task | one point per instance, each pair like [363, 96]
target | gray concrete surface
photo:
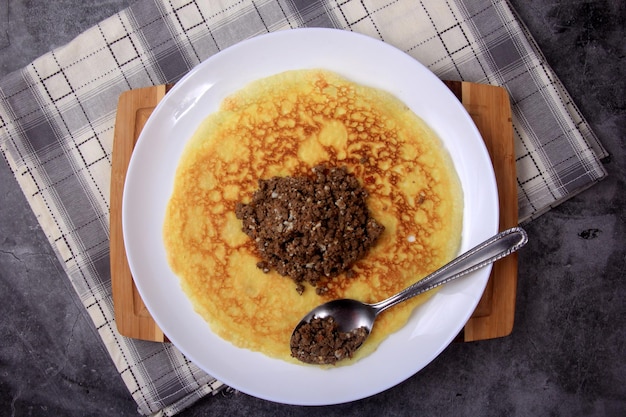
[566, 356]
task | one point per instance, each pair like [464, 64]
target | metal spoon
[352, 314]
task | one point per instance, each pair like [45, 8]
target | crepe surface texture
[284, 125]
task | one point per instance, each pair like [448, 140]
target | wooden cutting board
[488, 106]
[131, 315]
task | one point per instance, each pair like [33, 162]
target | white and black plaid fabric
[57, 119]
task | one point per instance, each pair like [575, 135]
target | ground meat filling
[319, 342]
[310, 228]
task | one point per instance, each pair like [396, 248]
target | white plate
[149, 183]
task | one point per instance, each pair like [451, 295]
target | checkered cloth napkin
[57, 117]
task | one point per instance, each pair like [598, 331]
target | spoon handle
[494, 248]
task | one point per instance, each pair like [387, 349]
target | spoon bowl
[349, 315]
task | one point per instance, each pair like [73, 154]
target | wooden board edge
[503, 279]
[129, 318]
